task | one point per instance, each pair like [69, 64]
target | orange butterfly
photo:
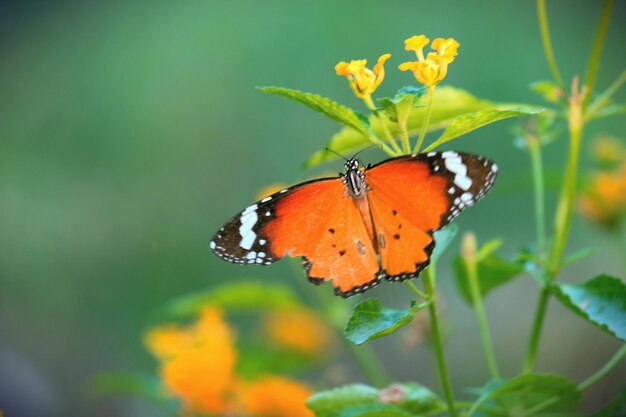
[367, 224]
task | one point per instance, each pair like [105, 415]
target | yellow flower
[269, 190]
[608, 150]
[197, 362]
[603, 201]
[363, 80]
[297, 330]
[274, 396]
[431, 70]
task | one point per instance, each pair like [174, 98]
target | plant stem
[604, 98]
[444, 379]
[547, 44]
[563, 217]
[540, 313]
[369, 364]
[429, 111]
[404, 134]
[604, 370]
[416, 290]
[536, 161]
[596, 51]
[481, 317]
[383, 124]
[363, 355]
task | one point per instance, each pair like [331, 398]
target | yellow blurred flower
[269, 190]
[197, 362]
[603, 200]
[297, 330]
[363, 80]
[274, 396]
[608, 150]
[431, 70]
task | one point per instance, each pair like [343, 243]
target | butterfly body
[367, 224]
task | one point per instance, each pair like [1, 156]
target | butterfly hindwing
[411, 197]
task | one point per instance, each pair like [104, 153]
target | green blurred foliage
[130, 131]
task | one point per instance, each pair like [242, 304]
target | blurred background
[130, 131]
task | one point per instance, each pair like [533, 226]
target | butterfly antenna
[363, 150]
[336, 153]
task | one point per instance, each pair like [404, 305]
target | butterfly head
[352, 164]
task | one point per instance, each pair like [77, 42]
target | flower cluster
[432, 69]
[198, 368]
[297, 330]
[429, 70]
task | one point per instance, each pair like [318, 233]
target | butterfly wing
[316, 220]
[410, 197]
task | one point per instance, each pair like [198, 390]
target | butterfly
[368, 224]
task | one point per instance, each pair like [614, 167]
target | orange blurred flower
[274, 396]
[298, 330]
[603, 200]
[197, 362]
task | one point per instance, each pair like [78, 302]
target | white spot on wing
[266, 199]
[251, 255]
[248, 240]
[455, 165]
[212, 245]
[465, 197]
[262, 242]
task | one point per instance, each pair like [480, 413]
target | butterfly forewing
[411, 197]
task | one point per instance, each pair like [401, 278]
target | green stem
[383, 124]
[369, 364]
[536, 161]
[364, 356]
[547, 44]
[429, 111]
[535, 334]
[481, 317]
[416, 290]
[444, 379]
[604, 370]
[596, 51]
[404, 134]
[563, 218]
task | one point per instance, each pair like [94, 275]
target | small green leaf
[400, 106]
[329, 403]
[241, 295]
[465, 123]
[370, 320]
[443, 239]
[493, 271]
[550, 91]
[326, 106]
[531, 390]
[373, 410]
[418, 399]
[488, 248]
[601, 301]
[580, 254]
[606, 111]
[615, 407]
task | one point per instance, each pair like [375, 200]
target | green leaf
[538, 391]
[550, 91]
[580, 254]
[241, 295]
[398, 400]
[326, 106]
[370, 320]
[448, 103]
[328, 403]
[443, 239]
[471, 121]
[399, 107]
[606, 111]
[601, 301]
[615, 407]
[493, 271]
